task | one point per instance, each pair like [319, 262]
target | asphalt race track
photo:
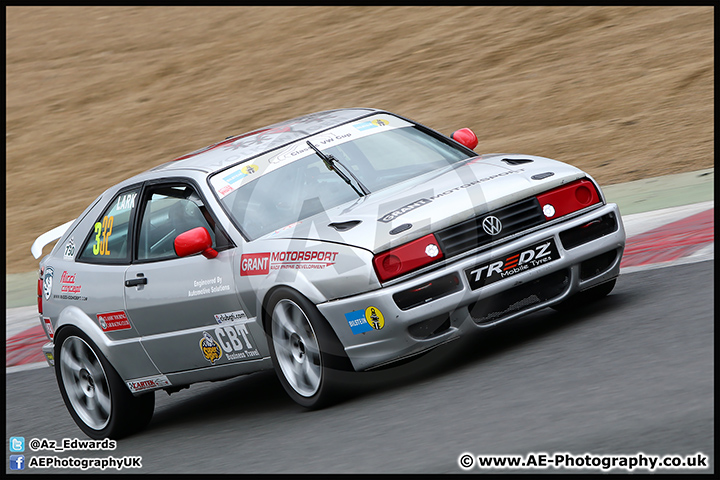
[632, 373]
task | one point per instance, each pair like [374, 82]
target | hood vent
[401, 228]
[516, 161]
[345, 226]
[540, 176]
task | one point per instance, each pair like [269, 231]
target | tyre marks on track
[25, 348]
[670, 242]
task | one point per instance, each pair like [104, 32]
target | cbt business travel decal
[361, 321]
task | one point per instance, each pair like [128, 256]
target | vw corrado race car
[340, 240]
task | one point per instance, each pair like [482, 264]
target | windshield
[286, 186]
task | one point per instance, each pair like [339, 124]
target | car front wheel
[306, 354]
[98, 400]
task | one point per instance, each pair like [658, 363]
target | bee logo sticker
[210, 349]
[249, 169]
[375, 318]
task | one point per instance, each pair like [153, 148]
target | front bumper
[582, 264]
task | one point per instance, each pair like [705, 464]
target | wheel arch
[125, 412]
[116, 352]
[73, 316]
[302, 287]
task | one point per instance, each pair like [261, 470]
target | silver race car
[341, 240]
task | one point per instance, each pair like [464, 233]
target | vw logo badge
[491, 225]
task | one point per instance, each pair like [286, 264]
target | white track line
[638, 223]
[27, 366]
[19, 319]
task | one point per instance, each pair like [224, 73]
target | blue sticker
[364, 126]
[235, 176]
[367, 125]
[358, 323]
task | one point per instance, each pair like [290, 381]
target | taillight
[568, 198]
[40, 292]
[406, 258]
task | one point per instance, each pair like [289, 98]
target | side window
[108, 240]
[168, 211]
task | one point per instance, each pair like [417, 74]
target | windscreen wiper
[330, 162]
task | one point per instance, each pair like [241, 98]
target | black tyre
[586, 297]
[98, 400]
[306, 353]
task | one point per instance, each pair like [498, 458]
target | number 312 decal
[103, 229]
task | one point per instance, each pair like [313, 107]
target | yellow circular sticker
[374, 317]
[249, 169]
[210, 348]
[380, 123]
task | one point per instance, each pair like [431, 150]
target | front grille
[469, 234]
[522, 297]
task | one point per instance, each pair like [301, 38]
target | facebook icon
[17, 462]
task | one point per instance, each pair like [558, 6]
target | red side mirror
[194, 241]
[465, 136]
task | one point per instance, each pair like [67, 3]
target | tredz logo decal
[512, 264]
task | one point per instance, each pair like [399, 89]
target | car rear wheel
[98, 400]
[306, 353]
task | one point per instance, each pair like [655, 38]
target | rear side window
[108, 240]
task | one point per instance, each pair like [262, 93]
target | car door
[92, 277]
[186, 308]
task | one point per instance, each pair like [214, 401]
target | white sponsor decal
[125, 202]
[208, 286]
[230, 317]
[237, 342]
[148, 383]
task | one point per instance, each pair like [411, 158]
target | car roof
[239, 148]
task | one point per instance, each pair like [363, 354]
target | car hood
[432, 201]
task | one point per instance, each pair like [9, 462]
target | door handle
[141, 280]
